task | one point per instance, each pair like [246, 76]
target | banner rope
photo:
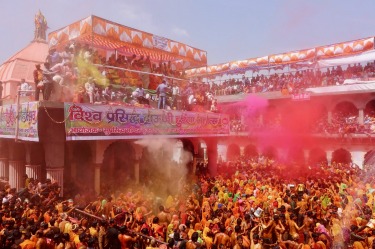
[52, 119]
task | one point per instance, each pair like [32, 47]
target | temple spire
[40, 27]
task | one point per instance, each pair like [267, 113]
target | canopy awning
[295, 59]
[107, 35]
[366, 56]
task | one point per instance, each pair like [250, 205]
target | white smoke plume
[166, 175]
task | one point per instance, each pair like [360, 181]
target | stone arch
[81, 170]
[317, 156]
[341, 156]
[270, 152]
[370, 108]
[233, 152]
[332, 105]
[296, 155]
[118, 164]
[250, 151]
[369, 158]
[346, 108]
[188, 145]
[188, 148]
[159, 172]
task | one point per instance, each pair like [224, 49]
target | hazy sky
[228, 30]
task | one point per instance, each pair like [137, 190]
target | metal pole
[17, 113]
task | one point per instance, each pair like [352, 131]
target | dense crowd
[340, 124]
[345, 125]
[80, 74]
[294, 82]
[259, 203]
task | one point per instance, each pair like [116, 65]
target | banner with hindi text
[27, 121]
[106, 122]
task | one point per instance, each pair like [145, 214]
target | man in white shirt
[25, 87]
[90, 89]
[139, 93]
[175, 96]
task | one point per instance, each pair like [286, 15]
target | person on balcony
[161, 92]
[47, 80]
[90, 89]
[140, 95]
[38, 77]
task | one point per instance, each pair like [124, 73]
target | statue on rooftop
[40, 26]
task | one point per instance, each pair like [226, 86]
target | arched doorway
[81, 170]
[341, 156]
[296, 155]
[233, 152]
[345, 108]
[270, 152]
[187, 152]
[164, 168]
[369, 115]
[344, 112]
[370, 108]
[251, 151]
[317, 156]
[118, 165]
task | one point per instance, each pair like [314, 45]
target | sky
[228, 30]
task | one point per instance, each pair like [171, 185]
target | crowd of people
[80, 74]
[294, 82]
[345, 125]
[258, 203]
[340, 124]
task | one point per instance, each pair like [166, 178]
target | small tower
[40, 27]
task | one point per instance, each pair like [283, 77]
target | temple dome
[21, 65]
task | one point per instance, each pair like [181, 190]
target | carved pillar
[34, 171]
[97, 149]
[212, 155]
[97, 168]
[329, 117]
[56, 175]
[138, 155]
[306, 156]
[73, 170]
[16, 174]
[55, 162]
[329, 156]
[361, 116]
[196, 145]
[4, 168]
[242, 150]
